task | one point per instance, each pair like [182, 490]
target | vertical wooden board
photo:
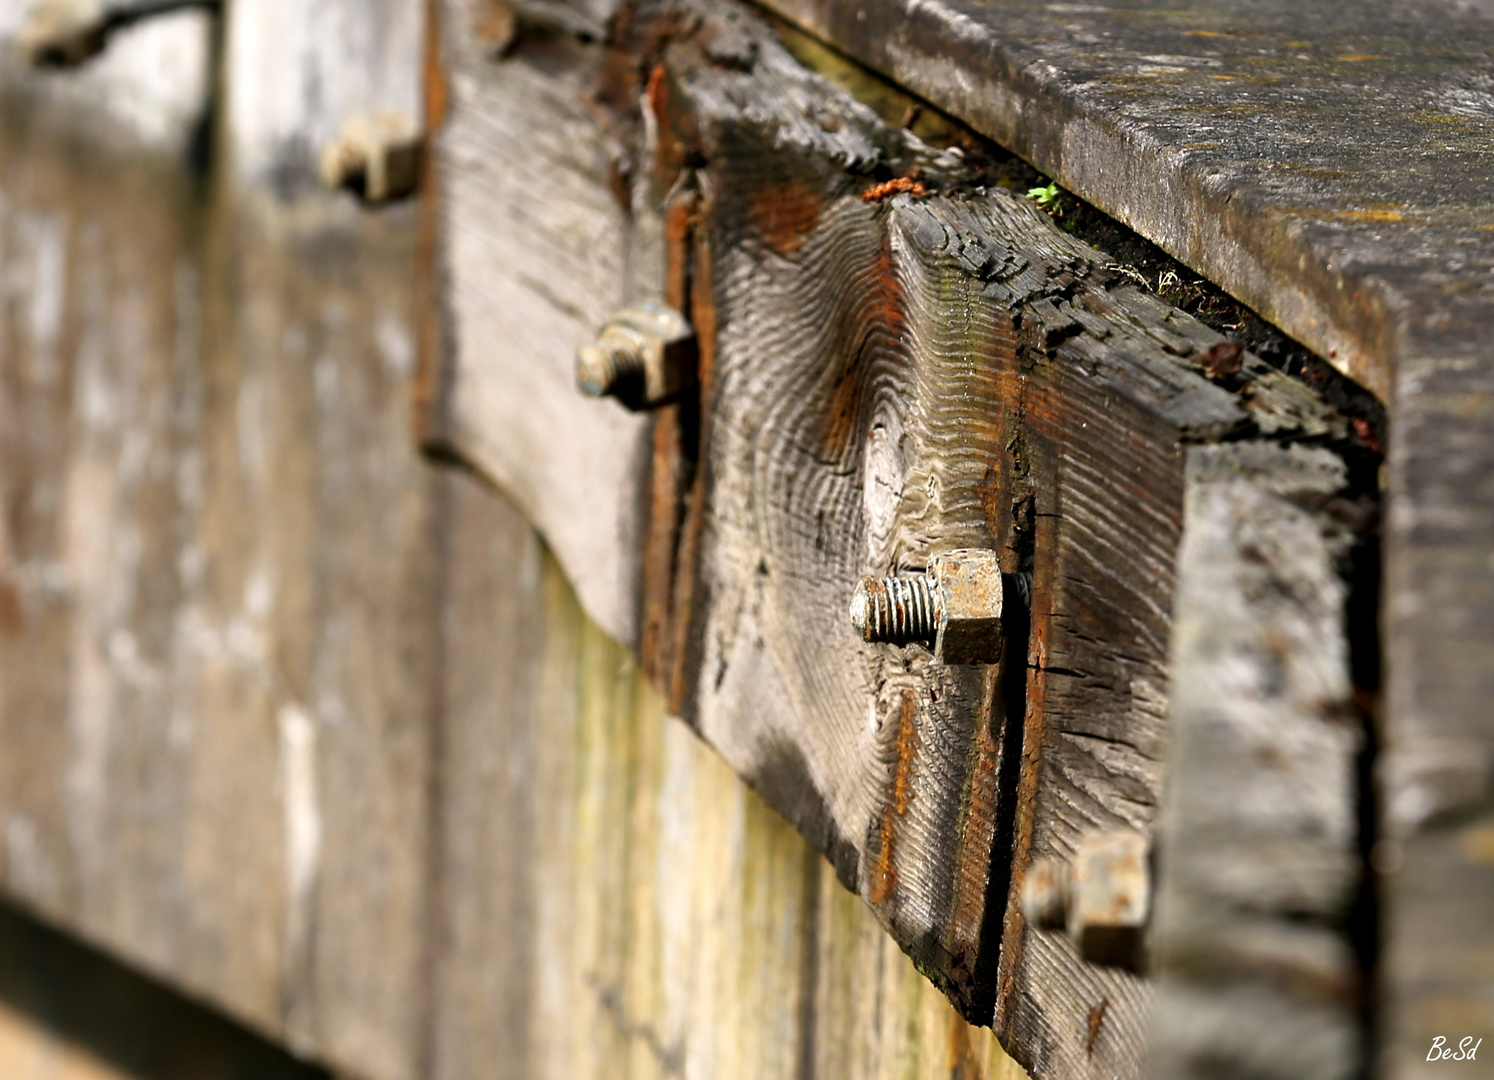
[102, 325]
[326, 516]
[614, 901]
[220, 551]
[325, 287]
[534, 255]
[1437, 768]
[1259, 845]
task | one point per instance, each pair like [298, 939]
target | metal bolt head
[1110, 898]
[644, 356]
[62, 33]
[377, 155]
[970, 602]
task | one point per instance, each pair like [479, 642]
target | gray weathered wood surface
[316, 731]
[534, 255]
[883, 378]
[1233, 135]
[1259, 844]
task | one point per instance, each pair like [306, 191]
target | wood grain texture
[1189, 125]
[1259, 841]
[616, 903]
[220, 605]
[896, 375]
[534, 256]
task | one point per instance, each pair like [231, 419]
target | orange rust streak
[884, 873]
[696, 250]
[679, 225]
[785, 215]
[897, 186]
[656, 92]
[972, 873]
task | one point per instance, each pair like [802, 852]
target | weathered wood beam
[1193, 126]
[534, 254]
[1260, 837]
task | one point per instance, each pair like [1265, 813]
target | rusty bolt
[1103, 899]
[643, 356]
[956, 607]
[376, 155]
[63, 33]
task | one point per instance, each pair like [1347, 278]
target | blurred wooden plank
[1259, 838]
[297, 73]
[223, 657]
[70, 1013]
[614, 900]
[534, 256]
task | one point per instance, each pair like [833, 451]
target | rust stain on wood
[972, 872]
[784, 215]
[1096, 1020]
[428, 412]
[879, 318]
[657, 94]
[686, 602]
[900, 795]
[900, 185]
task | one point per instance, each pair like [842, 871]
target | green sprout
[1044, 196]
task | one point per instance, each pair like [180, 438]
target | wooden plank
[297, 75]
[895, 375]
[533, 260]
[1188, 125]
[615, 900]
[70, 1013]
[222, 658]
[1259, 838]
[883, 378]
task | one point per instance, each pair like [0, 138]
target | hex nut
[970, 592]
[644, 356]
[377, 155]
[62, 33]
[1110, 898]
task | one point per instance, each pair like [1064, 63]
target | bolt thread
[896, 611]
[604, 364]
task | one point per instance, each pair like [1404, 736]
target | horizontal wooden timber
[897, 358]
[1329, 164]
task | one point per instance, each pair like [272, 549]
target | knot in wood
[896, 611]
